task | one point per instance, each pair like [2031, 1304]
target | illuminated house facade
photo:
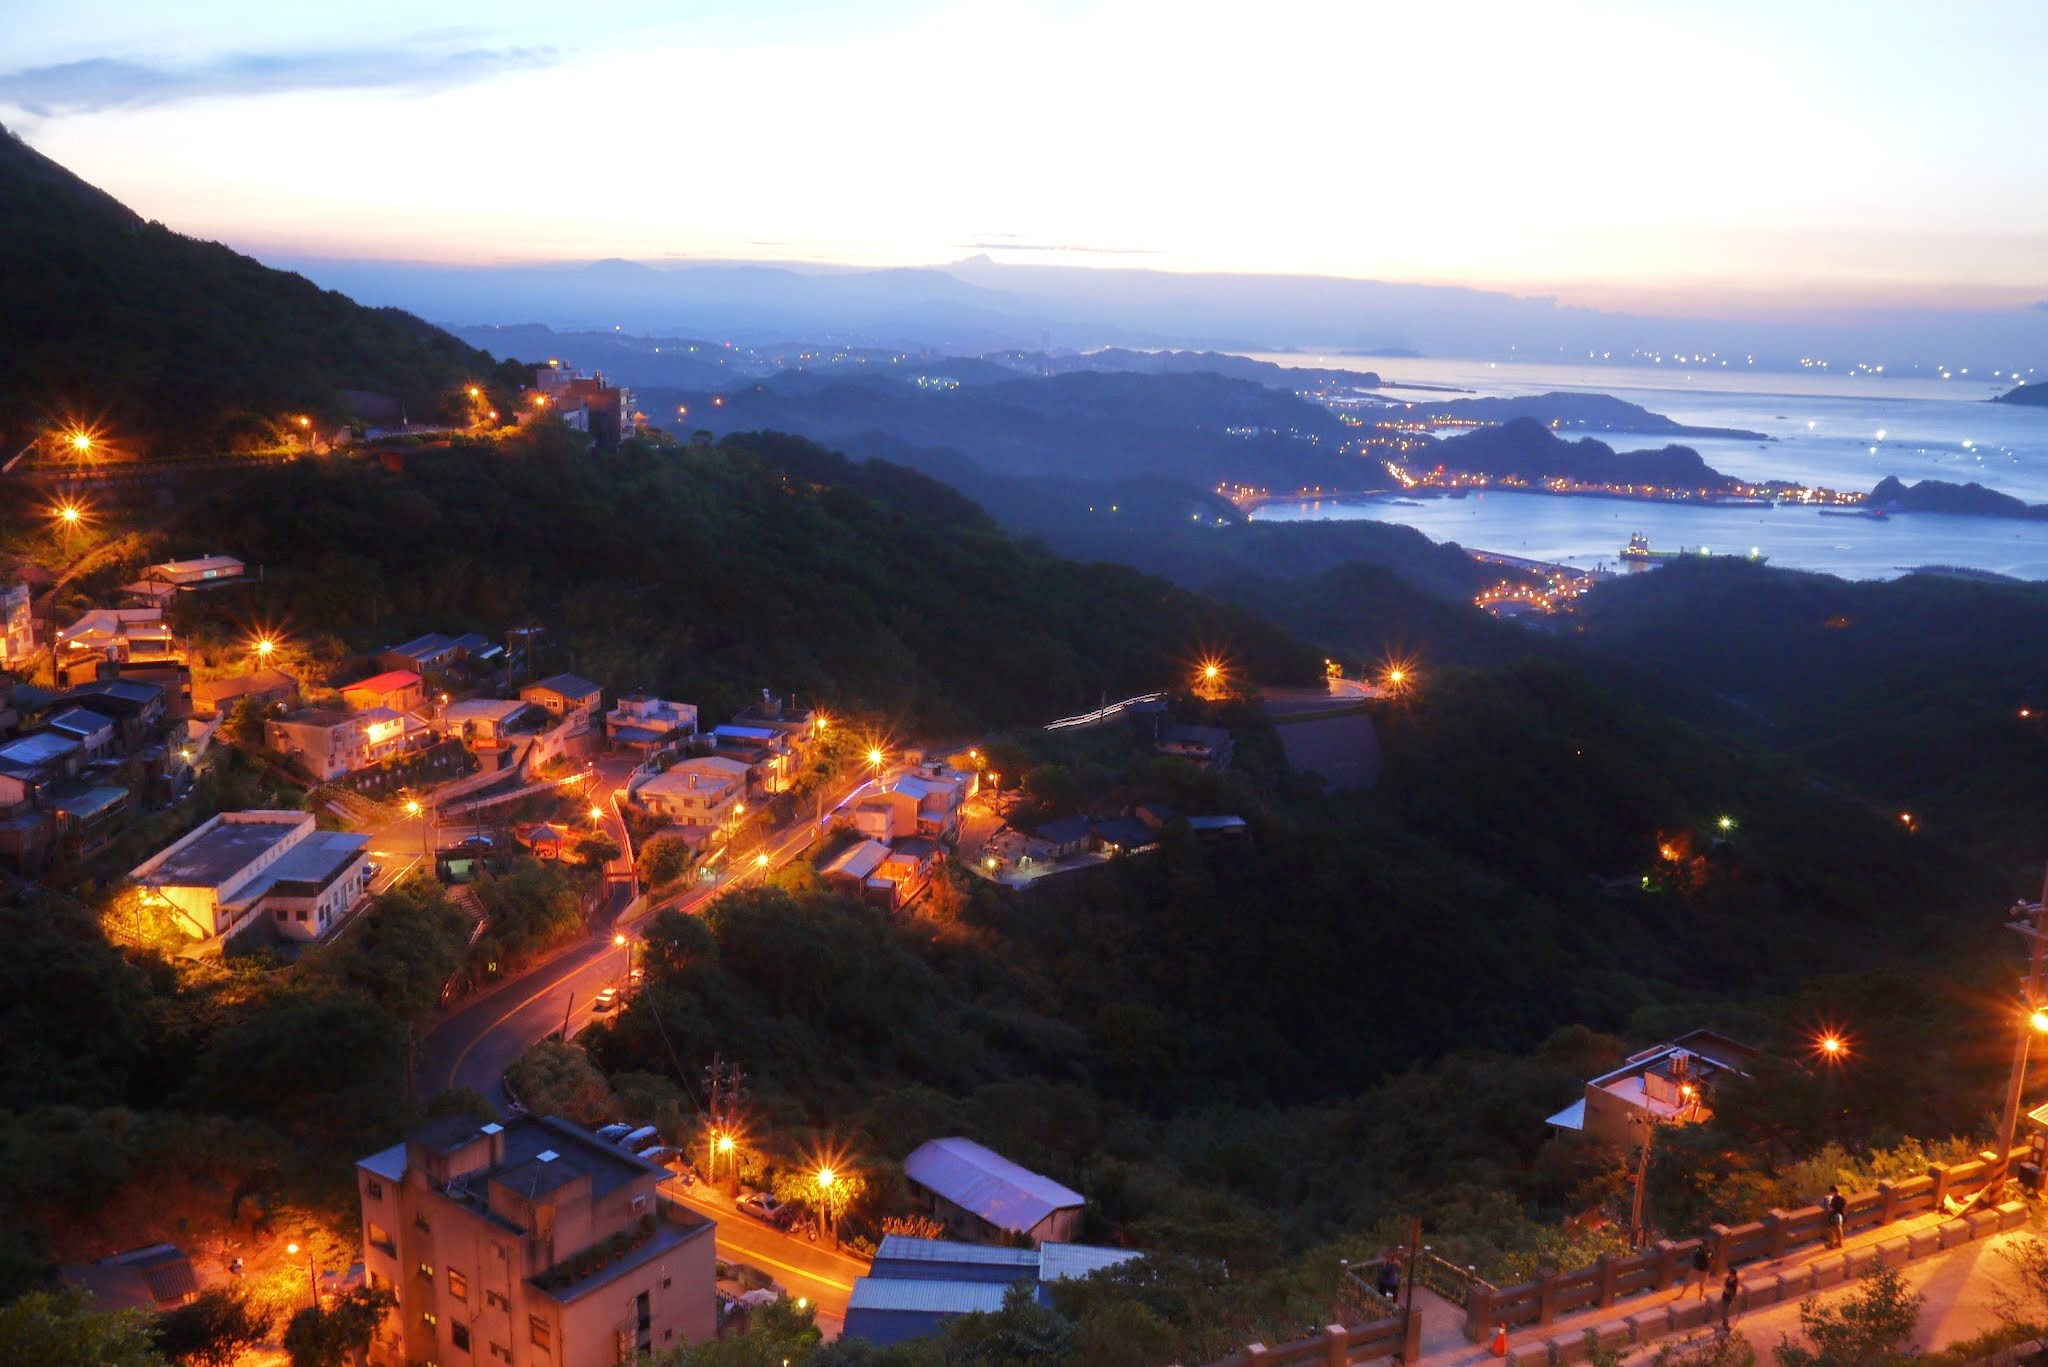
[331, 743]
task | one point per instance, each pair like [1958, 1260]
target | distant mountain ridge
[171, 342]
[1524, 448]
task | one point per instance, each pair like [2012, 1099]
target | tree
[339, 1337]
[663, 859]
[555, 1078]
[776, 1333]
[1021, 1334]
[597, 849]
[62, 1326]
[674, 941]
[1868, 1328]
[213, 1330]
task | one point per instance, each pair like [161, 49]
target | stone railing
[1666, 1263]
[1339, 1345]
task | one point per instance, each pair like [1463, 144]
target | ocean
[1834, 431]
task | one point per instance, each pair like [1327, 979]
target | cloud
[103, 83]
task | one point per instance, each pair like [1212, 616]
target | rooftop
[858, 861]
[482, 709]
[569, 685]
[203, 565]
[930, 1296]
[1065, 829]
[222, 848]
[32, 752]
[424, 647]
[78, 721]
[319, 716]
[315, 861]
[982, 1181]
[389, 681]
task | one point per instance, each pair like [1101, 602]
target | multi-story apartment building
[17, 628]
[331, 743]
[531, 1243]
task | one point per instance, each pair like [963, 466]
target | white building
[701, 791]
[241, 866]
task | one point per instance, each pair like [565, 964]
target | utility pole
[2030, 920]
[1635, 1217]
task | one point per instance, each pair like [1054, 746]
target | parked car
[765, 1208]
[606, 999]
[612, 1134]
[638, 1139]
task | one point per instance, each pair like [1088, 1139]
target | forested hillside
[170, 343]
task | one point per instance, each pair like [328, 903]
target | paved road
[800, 1267]
[473, 1045]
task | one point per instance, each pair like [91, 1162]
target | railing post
[1939, 1172]
[1478, 1311]
[1257, 1352]
[1775, 1232]
[1888, 1203]
[1606, 1270]
[1717, 1240]
[1411, 1335]
[1546, 1295]
[1667, 1263]
[1338, 1339]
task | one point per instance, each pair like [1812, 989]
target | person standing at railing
[1731, 1287]
[1837, 1207]
[1390, 1275]
[1702, 1264]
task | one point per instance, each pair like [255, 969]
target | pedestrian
[1702, 1263]
[1390, 1275]
[1731, 1287]
[1837, 1206]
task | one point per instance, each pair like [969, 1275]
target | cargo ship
[1638, 552]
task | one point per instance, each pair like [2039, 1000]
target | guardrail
[1612, 1278]
[1340, 1344]
[1100, 714]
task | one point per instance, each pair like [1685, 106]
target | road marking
[456, 1066]
[751, 1256]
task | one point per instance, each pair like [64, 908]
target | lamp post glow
[264, 645]
[312, 1278]
[413, 807]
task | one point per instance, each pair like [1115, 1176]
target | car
[479, 841]
[637, 974]
[765, 1208]
[613, 1133]
[373, 869]
[606, 999]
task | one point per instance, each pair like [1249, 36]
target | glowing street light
[1726, 823]
[69, 515]
[1832, 1047]
[475, 393]
[596, 813]
[264, 645]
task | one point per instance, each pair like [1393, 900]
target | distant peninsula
[1526, 449]
[2030, 395]
[1940, 496]
[1576, 412]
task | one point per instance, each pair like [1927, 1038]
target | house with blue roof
[916, 1285]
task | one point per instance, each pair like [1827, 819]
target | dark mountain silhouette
[170, 342]
[1525, 449]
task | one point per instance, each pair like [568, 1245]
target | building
[850, 869]
[908, 869]
[423, 655]
[242, 866]
[983, 1196]
[587, 404]
[129, 639]
[271, 687]
[331, 743]
[161, 583]
[940, 796]
[530, 1243]
[94, 733]
[1124, 835]
[915, 1285]
[17, 627]
[153, 1278]
[486, 723]
[1669, 1084]
[703, 790]
[886, 816]
[566, 696]
[1210, 747]
[1060, 838]
[400, 690]
[647, 724]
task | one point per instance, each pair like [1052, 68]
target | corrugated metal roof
[858, 861]
[1058, 1261]
[910, 1248]
[930, 1297]
[388, 1164]
[981, 1180]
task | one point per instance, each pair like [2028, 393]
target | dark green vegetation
[1583, 412]
[1923, 695]
[710, 573]
[171, 344]
[1524, 448]
[1942, 496]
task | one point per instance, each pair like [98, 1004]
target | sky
[1724, 159]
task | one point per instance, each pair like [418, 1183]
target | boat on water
[1869, 514]
[1639, 552]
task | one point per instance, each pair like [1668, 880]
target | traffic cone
[1500, 1341]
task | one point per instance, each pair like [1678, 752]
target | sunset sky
[1661, 157]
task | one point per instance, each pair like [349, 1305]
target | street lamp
[413, 807]
[264, 645]
[2035, 1022]
[826, 1177]
[312, 1278]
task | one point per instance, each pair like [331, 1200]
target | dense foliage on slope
[1925, 693]
[711, 573]
[1523, 448]
[169, 342]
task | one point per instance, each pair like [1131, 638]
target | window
[380, 1239]
[460, 1334]
[499, 1350]
[375, 1189]
[496, 1301]
[539, 1332]
[426, 1272]
[458, 1285]
[419, 1222]
[430, 1319]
